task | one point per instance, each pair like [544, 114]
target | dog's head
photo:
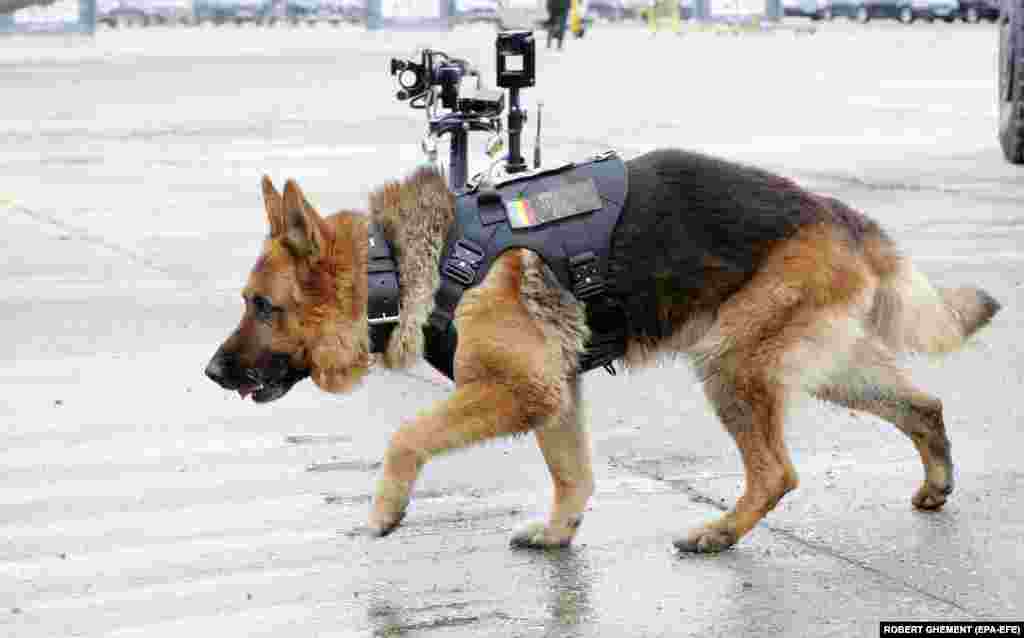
[305, 305]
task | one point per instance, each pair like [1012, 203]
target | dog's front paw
[540, 535]
[389, 504]
[932, 497]
[379, 527]
[706, 540]
[386, 515]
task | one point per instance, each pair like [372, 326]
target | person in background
[558, 18]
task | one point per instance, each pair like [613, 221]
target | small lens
[408, 78]
[514, 63]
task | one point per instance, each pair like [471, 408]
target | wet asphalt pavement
[137, 499]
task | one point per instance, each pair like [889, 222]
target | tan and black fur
[768, 289]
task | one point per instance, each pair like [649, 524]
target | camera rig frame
[435, 84]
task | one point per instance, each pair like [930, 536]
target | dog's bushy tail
[912, 315]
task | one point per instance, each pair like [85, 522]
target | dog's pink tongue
[245, 390]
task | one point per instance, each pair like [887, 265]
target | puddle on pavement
[316, 439]
[351, 466]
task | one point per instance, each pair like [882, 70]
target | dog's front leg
[475, 412]
[566, 447]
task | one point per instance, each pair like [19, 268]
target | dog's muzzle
[264, 383]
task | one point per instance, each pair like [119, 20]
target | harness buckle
[603, 349]
[462, 262]
[587, 281]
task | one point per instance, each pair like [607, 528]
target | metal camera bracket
[437, 83]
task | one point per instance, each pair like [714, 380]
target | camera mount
[436, 82]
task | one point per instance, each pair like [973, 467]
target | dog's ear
[302, 232]
[274, 206]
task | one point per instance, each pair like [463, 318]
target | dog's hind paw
[376, 529]
[367, 531]
[538, 535]
[706, 540]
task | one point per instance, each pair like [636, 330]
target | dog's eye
[263, 307]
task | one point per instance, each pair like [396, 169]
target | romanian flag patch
[576, 198]
[520, 214]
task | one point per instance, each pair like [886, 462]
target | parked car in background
[813, 9]
[237, 11]
[929, 10]
[116, 13]
[353, 11]
[846, 8]
[10, 6]
[476, 11]
[319, 11]
[106, 12]
[606, 10]
[296, 11]
[978, 10]
[885, 10]
[948, 10]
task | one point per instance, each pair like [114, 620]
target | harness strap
[590, 283]
[382, 289]
[462, 264]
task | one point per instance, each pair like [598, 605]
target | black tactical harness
[580, 205]
[573, 242]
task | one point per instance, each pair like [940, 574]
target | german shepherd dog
[769, 290]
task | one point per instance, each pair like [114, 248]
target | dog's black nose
[215, 370]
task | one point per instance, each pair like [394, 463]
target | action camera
[517, 59]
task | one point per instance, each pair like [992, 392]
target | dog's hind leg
[751, 407]
[874, 384]
[740, 360]
[566, 447]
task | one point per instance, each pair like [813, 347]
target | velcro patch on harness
[568, 199]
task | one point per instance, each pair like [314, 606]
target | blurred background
[45, 14]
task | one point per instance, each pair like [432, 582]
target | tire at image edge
[1011, 127]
